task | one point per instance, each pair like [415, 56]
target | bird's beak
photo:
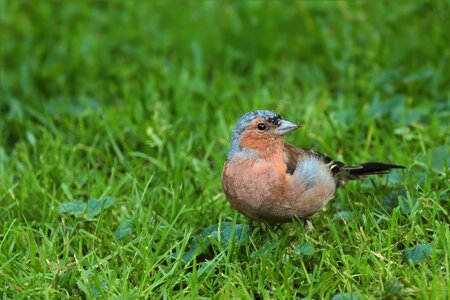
[285, 127]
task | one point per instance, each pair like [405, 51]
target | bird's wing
[293, 154]
[341, 173]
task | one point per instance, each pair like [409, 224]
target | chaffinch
[267, 179]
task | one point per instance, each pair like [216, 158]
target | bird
[268, 179]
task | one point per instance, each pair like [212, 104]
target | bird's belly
[262, 193]
[251, 189]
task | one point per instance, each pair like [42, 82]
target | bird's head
[257, 131]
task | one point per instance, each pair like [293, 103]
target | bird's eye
[262, 126]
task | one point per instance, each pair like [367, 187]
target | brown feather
[293, 153]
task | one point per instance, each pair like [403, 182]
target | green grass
[137, 101]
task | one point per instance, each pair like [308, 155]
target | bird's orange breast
[253, 185]
[259, 187]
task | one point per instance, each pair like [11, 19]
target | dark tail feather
[369, 168]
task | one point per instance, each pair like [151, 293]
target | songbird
[267, 179]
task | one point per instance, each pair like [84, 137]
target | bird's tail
[368, 168]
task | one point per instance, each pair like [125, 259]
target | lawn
[115, 120]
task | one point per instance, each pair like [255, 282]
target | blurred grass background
[136, 100]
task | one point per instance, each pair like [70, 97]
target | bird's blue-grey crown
[243, 122]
